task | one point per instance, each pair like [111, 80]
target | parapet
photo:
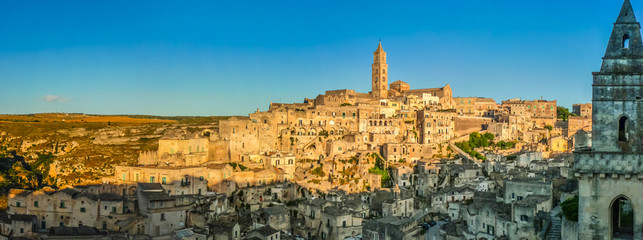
[590, 162]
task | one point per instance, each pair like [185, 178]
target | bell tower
[379, 77]
[610, 175]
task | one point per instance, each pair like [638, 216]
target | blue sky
[232, 57]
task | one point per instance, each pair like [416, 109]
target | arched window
[626, 41]
[622, 218]
[622, 129]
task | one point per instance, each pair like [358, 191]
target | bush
[319, 171]
[243, 168]
[570, 208]
[323, 133]
[505, 145]
[385, 178]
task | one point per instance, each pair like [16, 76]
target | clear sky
[232, 57]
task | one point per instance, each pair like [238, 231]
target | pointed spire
[627, 14]
[379, 47]
[625, 41]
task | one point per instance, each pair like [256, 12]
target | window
[17, 204]
[82, 209]
[22, 230]
[35, 203]
[113, 209]
[104, 225]
[152, 179]
[124, 177]
[343, 223]
[524, 218]
[164, 180]
[62, 204]
[162, 216]
[201, 178]
[622, 129]
[626, 41]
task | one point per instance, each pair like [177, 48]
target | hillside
[68, 149]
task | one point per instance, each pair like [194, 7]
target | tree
[563, 113]
[570, 208]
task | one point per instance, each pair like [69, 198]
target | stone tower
[610, 175]
[379, 79]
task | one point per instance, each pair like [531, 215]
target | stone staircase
[554, 229]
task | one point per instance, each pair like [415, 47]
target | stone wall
[466, 125]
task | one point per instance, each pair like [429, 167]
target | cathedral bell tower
[379, 78]
[610, 175]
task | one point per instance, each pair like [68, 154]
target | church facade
[610, 174]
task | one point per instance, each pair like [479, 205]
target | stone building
[517, 189]
[441, 199]
[178, 180]
[162, 213]
[401, 175]
[380, 75]
[539, 112]
[391, 227]
[475, 106]
[435, 127]
[177, 148]
[487, 219]
[339, 223]
[406, 152]
[398, 207]
[609, 174]
[574, 124]
[71, 208]
[582, 109]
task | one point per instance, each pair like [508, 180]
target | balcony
[185, 183]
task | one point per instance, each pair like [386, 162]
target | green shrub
[319, 171]
[570, 208]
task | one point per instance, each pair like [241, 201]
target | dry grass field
[70, 117]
